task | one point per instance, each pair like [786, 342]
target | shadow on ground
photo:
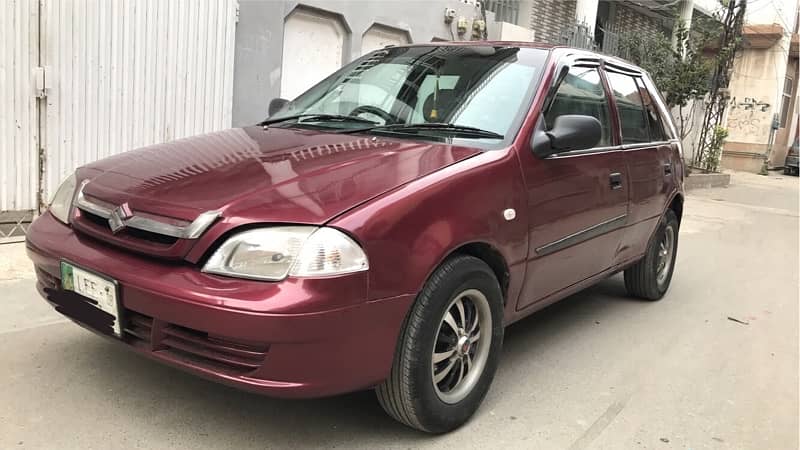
[140, 383]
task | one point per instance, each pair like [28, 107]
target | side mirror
[276, 104]
[569, 132]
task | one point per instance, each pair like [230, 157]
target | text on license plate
[101, 291]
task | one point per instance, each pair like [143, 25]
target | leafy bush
[679, 78]
[712, 154]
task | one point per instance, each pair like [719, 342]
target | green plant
[712, 155]
[682, 73]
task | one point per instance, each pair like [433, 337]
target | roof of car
[540, 45]
[473, 43]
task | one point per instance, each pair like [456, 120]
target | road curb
[706, 180]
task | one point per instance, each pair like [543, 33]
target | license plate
[99, 290]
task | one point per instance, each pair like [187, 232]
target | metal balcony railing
[578, 35]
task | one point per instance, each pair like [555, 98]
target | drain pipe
[772, 130]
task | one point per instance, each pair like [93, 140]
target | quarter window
[654, 121]
[632, 118]
[582, 93]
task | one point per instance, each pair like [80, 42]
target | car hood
[264, 175]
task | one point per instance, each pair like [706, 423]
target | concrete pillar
[586, 13]
[685, 10]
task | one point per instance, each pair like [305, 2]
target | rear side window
[653, 118]
[582, 93]
[633, 120]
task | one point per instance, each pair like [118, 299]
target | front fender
[409, 231]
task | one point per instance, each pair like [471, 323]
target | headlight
[277, 252]
[61, 204]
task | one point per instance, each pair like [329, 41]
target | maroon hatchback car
[380, 230]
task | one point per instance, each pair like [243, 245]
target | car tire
[412, 395]
[650, 277]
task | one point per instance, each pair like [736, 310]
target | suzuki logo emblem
[119, 215]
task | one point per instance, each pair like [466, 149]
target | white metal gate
[115, 75]
[19, 129]
[124, 74]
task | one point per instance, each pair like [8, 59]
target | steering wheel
[374, 110]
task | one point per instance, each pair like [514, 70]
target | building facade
[596, 24]
[763, 108]
[284, 47]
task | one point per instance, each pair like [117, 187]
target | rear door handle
[667, 168]
[615, 180]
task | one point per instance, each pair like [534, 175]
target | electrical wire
[779, 11]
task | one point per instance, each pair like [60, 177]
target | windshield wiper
[462, 130]
[303, 118]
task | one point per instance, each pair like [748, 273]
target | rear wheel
[448, 350]
[650, 277]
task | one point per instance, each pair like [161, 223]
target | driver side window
[582, 93]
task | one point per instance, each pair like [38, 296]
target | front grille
[193, 346]
[204, 349]
[138, 329]
[130, 232]
[48, 281]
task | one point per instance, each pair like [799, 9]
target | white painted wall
[19, 139]
[312, 49]
[377, 37]
[505, 31]
[772, 11]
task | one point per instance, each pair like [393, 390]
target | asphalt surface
[598, 370]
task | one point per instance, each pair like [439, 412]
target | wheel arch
[488, 254]
[676, 205]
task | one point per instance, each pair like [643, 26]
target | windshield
[402, 90]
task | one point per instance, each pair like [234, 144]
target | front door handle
[615, 180]
[667, 168]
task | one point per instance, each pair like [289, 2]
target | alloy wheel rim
[665, 254]
[462, 346]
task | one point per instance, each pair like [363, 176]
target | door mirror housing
[569, 132]
[276, 104]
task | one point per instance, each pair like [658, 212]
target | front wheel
[650, 277]
[448, 350]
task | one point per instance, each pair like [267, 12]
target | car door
[648, 155]
[577, 200]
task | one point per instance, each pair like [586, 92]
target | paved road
[598, 370]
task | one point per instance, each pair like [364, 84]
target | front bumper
[296, 338]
